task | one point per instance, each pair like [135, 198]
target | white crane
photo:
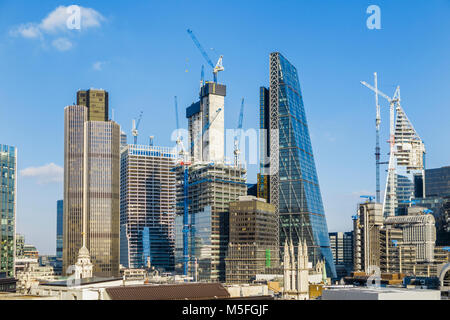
[392, 165]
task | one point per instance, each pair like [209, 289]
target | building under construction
[253, 244]
[211, 187]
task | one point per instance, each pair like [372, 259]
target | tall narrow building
[208, 145]
[147, 207]
[294, 186]
[8, 187]
[91, 183]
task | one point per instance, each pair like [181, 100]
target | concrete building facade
[147, 206]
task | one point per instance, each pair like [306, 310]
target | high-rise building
[436, 199]
[59, 228]
[342, 248]
[97, 103]
[263, 183]
[366, 231]
[294, 186]
[91, 185]
[8, 191]
[147, 206]
[208, 145]
[437, 182]
[211, 188]
[253, 240]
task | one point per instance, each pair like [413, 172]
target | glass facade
[59, 228]
[91, 183]
[8, 185]
[437, 182]
[295, 186]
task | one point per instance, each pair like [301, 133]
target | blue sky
[140, 52]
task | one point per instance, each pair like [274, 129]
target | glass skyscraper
[294, 186]
[8, 186]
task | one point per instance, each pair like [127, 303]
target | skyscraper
[8, 187]
[294, 186]
[91, 184]
[59, 228]
[147, 206]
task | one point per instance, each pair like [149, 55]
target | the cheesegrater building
[291, 176]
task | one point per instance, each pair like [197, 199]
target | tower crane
[216, 68]
[237, 139]
[135, 125]
[395, 100]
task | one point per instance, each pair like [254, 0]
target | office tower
[91, 186]
[59, 228]
[436, 199]
[147, 206]
[437, 182]
[406, 161]
[253, 240]
[97, 103]
[366, 231]
[209, 145]
[8, 186]
[211, 187]
[294, 186]
[342, 248]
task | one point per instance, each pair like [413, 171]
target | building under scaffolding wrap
[211, 187]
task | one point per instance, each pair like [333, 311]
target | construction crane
[237, 139]
[151, 138]
[369, 198]
[135, 126]
[391, 168]
[184, 162]
[216, 68]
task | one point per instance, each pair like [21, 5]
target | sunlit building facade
[8, 187]
[294, 186]
[147, 206]
[91, 181]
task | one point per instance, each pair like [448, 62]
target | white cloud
[56, 22]
[98, 66]
[62, 44]
[44, 174]
[27, 30]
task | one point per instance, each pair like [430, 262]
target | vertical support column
[274, 136]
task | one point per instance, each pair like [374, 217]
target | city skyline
[341, 122]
